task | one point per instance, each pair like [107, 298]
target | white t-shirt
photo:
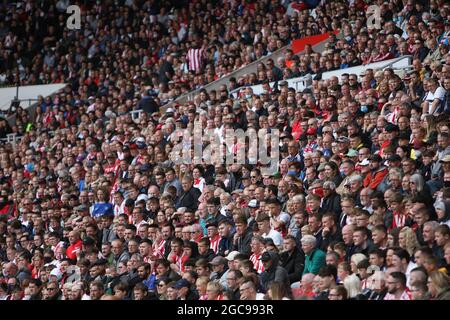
[439, 93]
[275, 236]
[260, 296]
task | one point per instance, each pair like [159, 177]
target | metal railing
[12, 138]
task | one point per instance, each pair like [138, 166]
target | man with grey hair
[347, 169]
[364, 199]
[428, 234]
[376, 284]
[303, 289]
[314, 257]
[298, 216]
[355, 185]
[225, 199]
[331, 201]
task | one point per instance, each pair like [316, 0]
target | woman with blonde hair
[214, 291]
[201, 285]
[355, 259]
[429, 123]
[439, 286]
[353, 286]
[407, 240]
[276, 292]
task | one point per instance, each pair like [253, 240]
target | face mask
[248, 96]
[342, 173]
[47, 259]
[364, 108]
[292, 172]
[446, 184]
[30, 167]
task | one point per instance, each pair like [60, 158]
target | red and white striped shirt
[257, 264]
[406, 295]
[160, 247]
[215, 243]
[195, 59]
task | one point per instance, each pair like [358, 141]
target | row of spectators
[92, 205]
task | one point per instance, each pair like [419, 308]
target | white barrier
[301, 83]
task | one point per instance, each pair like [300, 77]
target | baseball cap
[182, 283]
[375, 157]
[364, 163]
[232, 255]
[394, 157]
[218, 261]
[352, 153]
[445, 159]
[343, 139]
[253, 203]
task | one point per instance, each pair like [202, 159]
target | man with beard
[396, 285]
[376, 174]
[146, 276]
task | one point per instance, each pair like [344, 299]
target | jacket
[293, 263]
[373, 179]
[72, 250]
[314, 261]
[444, 295]
[225, 244]
[209, 255]
[329, 238]
[275, 273]
[189, 199]
[243, 242]
[332, 204]
[124, 256]
[108, 235]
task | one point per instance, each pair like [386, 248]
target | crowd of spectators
[93, 207]
[171, 46]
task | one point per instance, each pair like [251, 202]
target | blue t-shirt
[102, 209]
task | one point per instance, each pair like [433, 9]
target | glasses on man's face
[51, 288]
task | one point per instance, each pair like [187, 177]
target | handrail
[11, 138]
